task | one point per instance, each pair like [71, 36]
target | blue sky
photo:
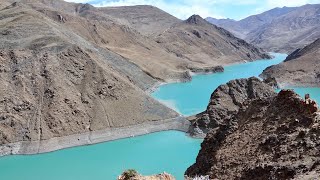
[234, 9]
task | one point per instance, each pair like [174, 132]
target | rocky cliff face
[272, 137]
[300, 68]
[226, 101]
[279, 30]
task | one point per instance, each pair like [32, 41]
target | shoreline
[156, 85]
[94, 137]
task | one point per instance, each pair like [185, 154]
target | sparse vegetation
[128, 174]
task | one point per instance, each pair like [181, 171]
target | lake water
[193, 97]
[169, 151]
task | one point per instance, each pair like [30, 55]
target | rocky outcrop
[273, 137]
[226, 101]
[300, 68]
[214, 69]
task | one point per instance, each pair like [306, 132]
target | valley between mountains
[72, 74]
[71, 68]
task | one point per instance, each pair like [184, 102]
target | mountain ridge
[279, 29]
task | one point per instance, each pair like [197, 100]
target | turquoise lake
[169, 151]
[192, 97]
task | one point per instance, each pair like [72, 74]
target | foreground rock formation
[300, 68]
[275, 136]
[226, 101]
[277, 30]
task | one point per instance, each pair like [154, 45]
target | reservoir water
[192, 97]
[169, 151]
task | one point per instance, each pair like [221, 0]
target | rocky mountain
[275, 136]
[280, 29]
[300, 68]
[225, 102]
[228, 24]
[56, 83]
[68, 69]
[126, 31]
[243, 27]
[203, 43]
[189, 45]
[148, 20]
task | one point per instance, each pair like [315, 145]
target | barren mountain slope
[289, 31]
[107, 31]
[55, 83]
[205, 44]
[302, 67]
[271, 137]
[148, 20]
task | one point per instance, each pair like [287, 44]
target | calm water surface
[169, 151]
[193, 97]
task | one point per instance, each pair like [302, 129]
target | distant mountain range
[281, 29]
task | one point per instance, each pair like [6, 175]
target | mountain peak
[196, 19]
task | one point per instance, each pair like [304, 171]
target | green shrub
[128, 174]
